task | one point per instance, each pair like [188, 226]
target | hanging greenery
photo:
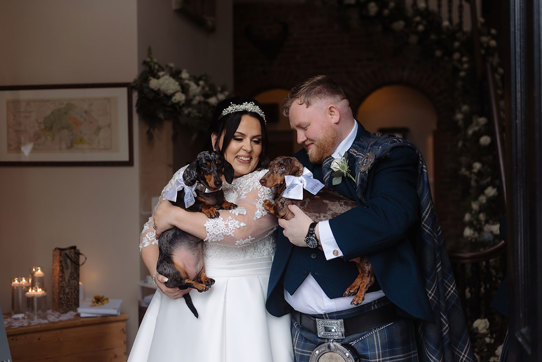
[477, 167]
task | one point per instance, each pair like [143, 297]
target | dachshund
[207, 171]
[205, 175]
[172, 244]
[325, 205]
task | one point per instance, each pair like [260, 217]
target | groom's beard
[323, 147]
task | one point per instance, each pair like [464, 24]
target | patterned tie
[327, 171]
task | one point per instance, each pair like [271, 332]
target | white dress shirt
[309, 298]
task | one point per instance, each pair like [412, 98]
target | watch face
[311, 241]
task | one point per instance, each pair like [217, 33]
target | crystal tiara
[246, 106]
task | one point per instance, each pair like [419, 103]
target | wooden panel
[80, 339]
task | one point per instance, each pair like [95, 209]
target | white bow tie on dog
[189, 192]
[296, 184]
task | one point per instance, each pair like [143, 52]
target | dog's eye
[282, 168]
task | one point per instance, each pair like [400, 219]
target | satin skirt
[233, 324]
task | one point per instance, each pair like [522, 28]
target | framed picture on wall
[66, 125]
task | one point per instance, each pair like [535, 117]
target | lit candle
[34, 294]
[17, 292]
[38, 277]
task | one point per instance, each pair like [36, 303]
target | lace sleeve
[249, 221]
[148, 235]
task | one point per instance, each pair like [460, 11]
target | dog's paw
[209, 282]
[228, 205]
[211, 213]
[269, 206]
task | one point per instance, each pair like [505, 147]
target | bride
[233, 324]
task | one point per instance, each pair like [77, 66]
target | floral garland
[169, 93]
[446, 43]
[443, 42]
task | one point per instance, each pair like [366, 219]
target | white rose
[154, 84]
[481, 325]
[482, 199]
[482, 216]
[212, 100]
[476, 166]
[492, 228]
[168, 85]
[467, 217]
[490, 191]
[492, 43]
[184, 74]
[178, 98]
[475, 205]
[398, 25]
[458, 116]
[468, 232]
[372, 8]
[485, 140]
[193, 89]
[482, 121]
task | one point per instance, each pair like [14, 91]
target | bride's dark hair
[227, 124]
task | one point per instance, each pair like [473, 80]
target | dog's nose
[263, 182]
[218, 182]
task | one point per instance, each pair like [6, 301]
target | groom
[412, 311]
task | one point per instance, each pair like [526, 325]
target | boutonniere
[340, 169]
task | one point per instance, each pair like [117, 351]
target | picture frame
[66, 125]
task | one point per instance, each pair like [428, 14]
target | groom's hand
[297, 227]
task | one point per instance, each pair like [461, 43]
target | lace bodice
[247, 231]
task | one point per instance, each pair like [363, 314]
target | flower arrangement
[169, 93]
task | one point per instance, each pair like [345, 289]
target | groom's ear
[333, 113]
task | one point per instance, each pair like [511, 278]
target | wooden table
[78, 339]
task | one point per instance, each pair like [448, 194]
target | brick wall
[278, 45]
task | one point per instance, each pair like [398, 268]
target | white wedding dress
[233, 324]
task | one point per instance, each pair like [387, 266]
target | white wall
[94, 208]
[99, 209]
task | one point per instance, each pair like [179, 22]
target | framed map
[66, 125]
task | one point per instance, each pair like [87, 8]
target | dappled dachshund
[174, 245]
[206, 173]
[325, 205]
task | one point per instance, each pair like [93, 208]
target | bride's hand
[173, 293]
[162, 217]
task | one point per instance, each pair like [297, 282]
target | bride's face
[244, 150]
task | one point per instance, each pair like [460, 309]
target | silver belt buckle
[330, 328]
[332, 352]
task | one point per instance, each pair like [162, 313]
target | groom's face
[314, 129]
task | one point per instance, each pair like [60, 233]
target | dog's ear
[228, 172]
[296, 167]
[190, 175]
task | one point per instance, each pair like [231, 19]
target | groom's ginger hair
[317, 87]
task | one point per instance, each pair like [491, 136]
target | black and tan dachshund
[208, 171]
[174, 244]
[325, 205]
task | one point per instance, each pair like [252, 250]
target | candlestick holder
[38, 278]
[19, 286]
[35, 303]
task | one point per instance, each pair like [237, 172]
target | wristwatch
[310, 238]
